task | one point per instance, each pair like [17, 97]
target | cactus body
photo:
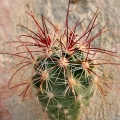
[65, 90]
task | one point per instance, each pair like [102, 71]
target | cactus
[64, 66]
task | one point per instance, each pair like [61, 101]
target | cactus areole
[63, 65]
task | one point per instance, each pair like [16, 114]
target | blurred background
[12, 12]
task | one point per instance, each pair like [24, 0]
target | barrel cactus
[64, 65]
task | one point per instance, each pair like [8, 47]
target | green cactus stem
[63, 85]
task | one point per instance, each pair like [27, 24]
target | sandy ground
[12, 12]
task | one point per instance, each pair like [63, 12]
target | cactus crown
[63, 66]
